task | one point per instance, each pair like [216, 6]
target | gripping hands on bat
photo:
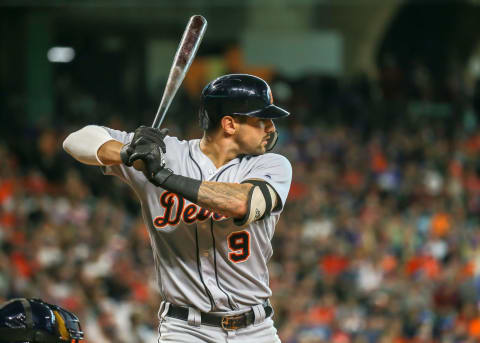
[184, 56]
[147, 146]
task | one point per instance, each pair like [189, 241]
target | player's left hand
[144, 134]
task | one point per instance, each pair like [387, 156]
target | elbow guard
[260, 203]
[84, 143]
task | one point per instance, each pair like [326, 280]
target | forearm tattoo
[229, 199]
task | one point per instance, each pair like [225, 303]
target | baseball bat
[181, 63]
[191, 39]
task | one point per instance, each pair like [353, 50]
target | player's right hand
[152, 156]
[143, 135]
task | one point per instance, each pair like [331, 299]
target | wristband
[184, 186]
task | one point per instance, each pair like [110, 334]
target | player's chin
[258, 150]
[261, 149]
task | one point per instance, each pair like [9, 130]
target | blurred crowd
[379, 240]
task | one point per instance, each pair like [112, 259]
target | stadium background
[380, 239]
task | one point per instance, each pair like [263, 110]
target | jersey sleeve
[276, 170]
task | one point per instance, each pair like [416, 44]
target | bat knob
[139, 165]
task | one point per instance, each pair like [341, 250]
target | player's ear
[229, 124]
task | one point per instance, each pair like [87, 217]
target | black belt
[232, 322]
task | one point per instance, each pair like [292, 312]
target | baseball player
[210, 205]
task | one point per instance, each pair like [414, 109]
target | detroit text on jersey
[188, 214]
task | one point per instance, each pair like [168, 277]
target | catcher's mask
[35, 321]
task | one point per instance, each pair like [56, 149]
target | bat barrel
[186, 51]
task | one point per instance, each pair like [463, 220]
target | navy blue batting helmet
[237, 94]
[34, 321]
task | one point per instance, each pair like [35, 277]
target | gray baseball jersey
[203, 259]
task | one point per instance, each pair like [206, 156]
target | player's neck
[218, 149]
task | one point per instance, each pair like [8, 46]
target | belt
[232, 322]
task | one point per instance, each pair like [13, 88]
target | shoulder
[273, 165]
[270, 159]
[122, 136]
[276, 157]
[174, 141]
[178, 149]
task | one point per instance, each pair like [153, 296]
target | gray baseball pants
[191, 331]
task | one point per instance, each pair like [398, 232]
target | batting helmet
[237, 94]
[34, 321]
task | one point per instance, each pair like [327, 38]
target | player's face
[253, 135]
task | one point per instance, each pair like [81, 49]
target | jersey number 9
[239, 243]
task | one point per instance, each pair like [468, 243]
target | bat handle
[162, 110]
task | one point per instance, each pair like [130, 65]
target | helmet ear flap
[203, 118]
[272, 140]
